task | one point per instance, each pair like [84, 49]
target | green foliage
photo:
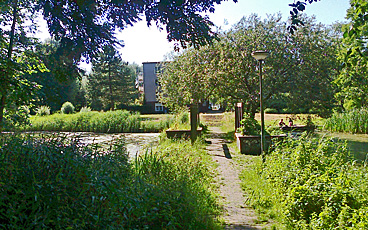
[64, 80]
[43, 110]
[271, 110]
[112, 81]
[313, 183]
[58, 183]
[180, 177]
[67, 108]
[353, 81]
[16, 118]
[301, 67]
[354, 121]
[181, 120]
[101, 122]
[249, 126]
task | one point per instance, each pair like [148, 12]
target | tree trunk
[9, 56]
[112, 103]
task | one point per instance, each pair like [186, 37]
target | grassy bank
[309, 184]
[55, 183]
[119, 121]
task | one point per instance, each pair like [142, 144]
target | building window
[159, 107]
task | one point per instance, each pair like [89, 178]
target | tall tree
[300, 66]
[353, 80]
[62, 81]
[83, 27]
[17, 57]
[112, 81]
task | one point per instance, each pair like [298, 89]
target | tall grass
[51, 182]
[355, 121]
[310, 184]
[101, 122]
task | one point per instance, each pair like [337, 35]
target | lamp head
[260, 55]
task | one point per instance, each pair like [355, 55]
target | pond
[134, 142]
[357, 143]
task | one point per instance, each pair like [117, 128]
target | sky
[143, 44]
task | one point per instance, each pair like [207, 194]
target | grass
[58, 183]
[119, 121]
[355, 121]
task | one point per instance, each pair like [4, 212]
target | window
[159, 107]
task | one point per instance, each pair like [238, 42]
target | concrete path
[237, 214]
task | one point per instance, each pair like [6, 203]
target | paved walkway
[237, 214]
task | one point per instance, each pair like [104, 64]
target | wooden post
[238, 114]
[193, 122]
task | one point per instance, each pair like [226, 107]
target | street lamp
[261, 56]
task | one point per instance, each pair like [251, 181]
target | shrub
[85, 109]
[16, 118]
[249, 126]
[271, 110]
[67, 108]
[43, 110]
[315, 185]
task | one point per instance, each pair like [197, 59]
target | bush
[271, 110]
[67, 108]
[249, 126]
[17, 118]
[314, 184]
[43, 110]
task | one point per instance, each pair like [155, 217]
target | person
[282, 123]
[291, 122]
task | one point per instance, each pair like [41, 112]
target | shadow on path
[226, 151]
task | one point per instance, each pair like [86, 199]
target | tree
[353, 80]
[62, 81]
[17, 56]
[300, 66]
[82, 28]
[112, 81]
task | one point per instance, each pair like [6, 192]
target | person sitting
[282, 123]
[291, 122]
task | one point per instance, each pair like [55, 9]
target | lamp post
[260, 56]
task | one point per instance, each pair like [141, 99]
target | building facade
[150, 84]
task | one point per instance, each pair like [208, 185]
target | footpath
[236, 214]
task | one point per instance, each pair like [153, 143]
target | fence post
[193, 122]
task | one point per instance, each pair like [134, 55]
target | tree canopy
[112, 81]
[300, 66]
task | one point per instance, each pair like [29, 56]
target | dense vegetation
[354, 121]
[310, 184]
[119, 121]
[61, 184]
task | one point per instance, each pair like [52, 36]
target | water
[357, 143]
[135, 143]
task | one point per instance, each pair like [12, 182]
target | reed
[355, 121]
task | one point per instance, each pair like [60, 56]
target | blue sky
[144, 44]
